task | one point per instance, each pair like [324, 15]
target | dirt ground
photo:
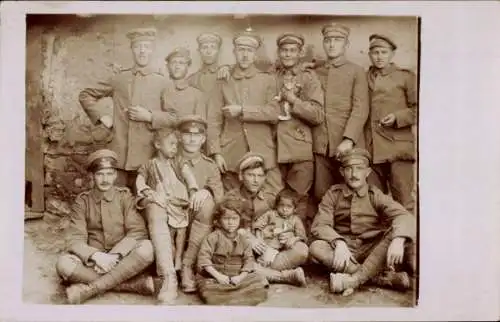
[43, 242]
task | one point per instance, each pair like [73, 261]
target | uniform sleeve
[311, 109]
[206, 252]
[200, 105]
[299, 230]
[248, 259]
[402, 221]
[142, 179]
[214, 183]
[167, 116]
[77, 236]
[407, 117]
[215, 119]
[135, 227]
[360, 107]
[324, 221]
[269, 112]
[89, 97]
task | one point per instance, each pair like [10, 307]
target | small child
[164, 181]
[226, 264]
[280, 228]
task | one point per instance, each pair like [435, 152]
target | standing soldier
[137, 111]
[301, 99]
[178, 95]
[393, 95]
[242, 115]
[346, 108]
[209, 45]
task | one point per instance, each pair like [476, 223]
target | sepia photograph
[222, 160]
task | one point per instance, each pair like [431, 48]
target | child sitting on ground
[226, 264]
[167, 183]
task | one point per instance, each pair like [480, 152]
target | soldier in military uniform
[137, 110]
[346, 108]
[193, 136]
[282, 266]
[179, 95]
[301, 98]
[242, 114]
[393, 100]
[209, 45]
[359, 230]
[108, 242]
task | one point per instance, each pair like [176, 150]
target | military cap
[335, 30]
[247, 38]
[192, 124]
[355, 154]
[179, 52]
[142, 34]
[290, 38]
[209, 37]
[101, 159]
[379, 40]
[249, 158]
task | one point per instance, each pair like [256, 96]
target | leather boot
[399, 281]
[130, 266]
[140, 284]
[198, 232]
[292, 276]
[159, 232]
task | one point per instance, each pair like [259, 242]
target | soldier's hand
[342, 256]
[395, 252]
[198, 199]
[107, 121]
[235, 280]
[223, 279]
[389, 120]
[289, 96]
[308, 65]
[260, 247]
[232, 111]
[105, 262]
[343, 147]
[139, 114]
[221, 163]
[223, 72]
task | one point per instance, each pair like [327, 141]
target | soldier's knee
[145, 250]
[66, 265]
[301, 249]
[205, 215]
[317, 248]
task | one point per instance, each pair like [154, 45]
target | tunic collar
[360, 193]
[209, 68]
[144, 71]
[384, 71]
[248, 195]
[337, 61]
[250, 72]
[181, 84]
[281, 70]
[106, 195]
[193, 158]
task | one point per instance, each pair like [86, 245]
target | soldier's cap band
[209, 37]
[192, 127]
[290, 39]
[355, 154]
[247, 40]
[179, 52]
[335, 30]
[247, 161]
[142, 34]
[381, 41]
[102, 163]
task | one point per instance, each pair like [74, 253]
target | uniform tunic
[184, 99]
[131, 139]
[229, 256]
[106, 222]
[253, 130]
[358, 217]
[272, 224]
[392, 90]
[205, 78]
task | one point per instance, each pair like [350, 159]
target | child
[280, 228]
[225, 262]
[168, 184]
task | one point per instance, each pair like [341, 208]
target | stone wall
[78, 51]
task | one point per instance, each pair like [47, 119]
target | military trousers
[126, 178]
[326, 174]
[299, 177]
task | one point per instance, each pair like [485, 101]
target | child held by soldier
[226, 273]
[169, 184]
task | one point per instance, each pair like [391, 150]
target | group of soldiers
[314, 128]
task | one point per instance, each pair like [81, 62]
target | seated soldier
[108, 244]
[277, 266]
[359, 230]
